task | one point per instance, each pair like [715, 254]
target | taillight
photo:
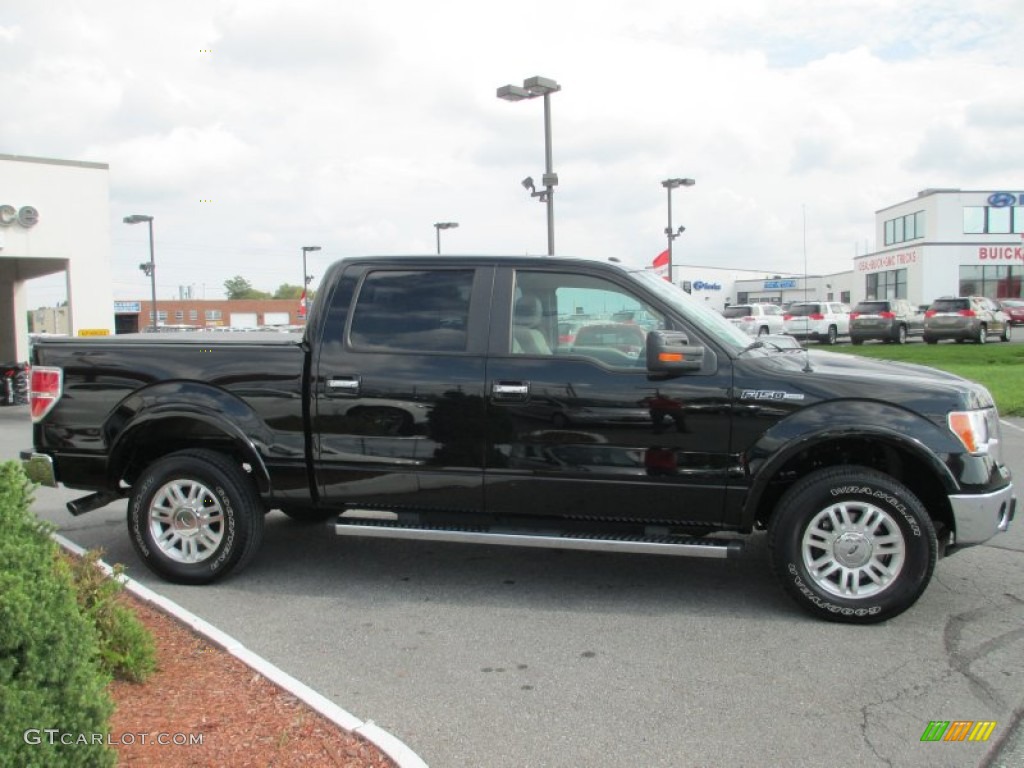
[748, 319]
[854, 315]
[930, 313]
[966, 313]
[816, 316]
[45, 388]
[787, 317]
[887, 315]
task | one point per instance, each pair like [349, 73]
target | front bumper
[980, 517]
[39, 468]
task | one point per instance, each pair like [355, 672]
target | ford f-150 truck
[434, 398]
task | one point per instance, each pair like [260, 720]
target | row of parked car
[960, 318]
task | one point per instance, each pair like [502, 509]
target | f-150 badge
[769, 394]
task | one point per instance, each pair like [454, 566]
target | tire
[856, 341]
[901, 335]
[833, 335]
[982, 336]
[173, 540]
[1007, 334]
[763, 330]
[930, 340]
[851, 544]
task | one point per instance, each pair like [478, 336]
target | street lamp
[306, 277]
[150, 267]
[443, 225]
[672, 234]
[532, 88]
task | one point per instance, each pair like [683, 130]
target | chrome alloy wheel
[853, 549]
[186, 521]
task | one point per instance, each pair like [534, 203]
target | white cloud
[358, 125]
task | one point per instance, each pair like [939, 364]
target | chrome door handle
[349, 385]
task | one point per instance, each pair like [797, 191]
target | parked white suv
[756, 319]
[823, 321]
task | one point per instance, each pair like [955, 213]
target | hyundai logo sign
[1004, 199]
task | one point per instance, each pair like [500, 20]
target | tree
[240, 288]
[288, 291]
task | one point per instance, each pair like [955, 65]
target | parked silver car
[892, 320]
[755, 319]
[965, 318]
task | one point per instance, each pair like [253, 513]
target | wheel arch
[905, 458]
[148, 426]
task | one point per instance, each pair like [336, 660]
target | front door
[580, 429]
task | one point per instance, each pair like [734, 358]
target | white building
[720, 287]
[945, 242]
[54, 217]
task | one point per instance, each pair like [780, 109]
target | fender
[883, 423]
[193, 401]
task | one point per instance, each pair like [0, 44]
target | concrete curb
[389, 744]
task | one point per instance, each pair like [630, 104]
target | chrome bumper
[39, 468]
[979, 518]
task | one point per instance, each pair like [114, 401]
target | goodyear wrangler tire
[851, 544]
[194, 517]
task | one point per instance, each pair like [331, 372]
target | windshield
[704, 317]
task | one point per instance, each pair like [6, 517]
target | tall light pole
[672, 234]
[305, 275]
[532, 88]
[150, 267]
[443, 225]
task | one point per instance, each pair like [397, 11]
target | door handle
[345, 385]
[510, 390]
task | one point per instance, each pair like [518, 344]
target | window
[612, 324]
[991, 220]
[886, 285]
[903, 228]
[213, 314]
[1002, 282]
[415, 310]
[179, 315]
[193, 314]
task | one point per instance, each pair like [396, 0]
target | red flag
[660, 264]
[302, 304]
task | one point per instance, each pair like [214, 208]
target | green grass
[999, 367]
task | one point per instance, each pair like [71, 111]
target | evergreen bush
[54, 706]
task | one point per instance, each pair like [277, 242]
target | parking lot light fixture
[532, 88]
[443, 225]
[150, 269]
[670, 233]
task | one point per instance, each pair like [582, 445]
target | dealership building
[55, 218]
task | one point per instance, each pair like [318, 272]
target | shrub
[49, 676]
[126, 647]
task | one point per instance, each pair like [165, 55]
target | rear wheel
[195, 516]
[901, 335]
[982, 336]
[930, 340]
[1007, 333]
[833, 335]
[851, 544]
[856, 341]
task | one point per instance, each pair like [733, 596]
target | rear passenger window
[416, 310]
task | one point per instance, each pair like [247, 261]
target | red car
[1015, 309]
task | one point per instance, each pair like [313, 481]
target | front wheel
[901, 335]
[1007, 333]
[851, 544]
[195, 516]
[982, 336]
[833, 335]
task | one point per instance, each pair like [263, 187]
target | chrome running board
[679, 546]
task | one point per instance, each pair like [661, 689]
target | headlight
[972, 427]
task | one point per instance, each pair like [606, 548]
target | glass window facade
[885, 285]
[904, 228]
[1002, 282]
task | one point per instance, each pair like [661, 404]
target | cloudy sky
[250, 128]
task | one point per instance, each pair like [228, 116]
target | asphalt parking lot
[477, 655]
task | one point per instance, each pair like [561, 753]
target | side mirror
[671, 352]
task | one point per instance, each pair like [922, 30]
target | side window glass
[567, 314]
[414, 310]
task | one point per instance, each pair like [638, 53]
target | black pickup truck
[543, 402]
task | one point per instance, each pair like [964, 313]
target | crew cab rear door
[397, 386]
[580, 428]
